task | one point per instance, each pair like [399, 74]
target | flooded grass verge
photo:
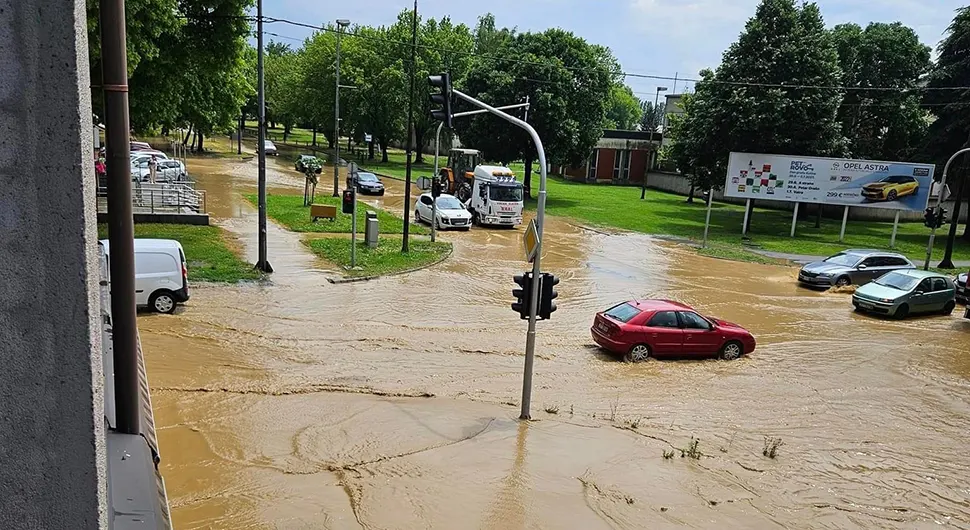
[288, 210]
[386, 259]
[211, 252]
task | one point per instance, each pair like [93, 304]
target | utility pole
[262, 263]
[242, 128]
[655, 122]
[939, 202]
[341, 24]
[407, 185]
[121, 229]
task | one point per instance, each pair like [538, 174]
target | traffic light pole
[437, 144]
[939, 202]
[530, 341]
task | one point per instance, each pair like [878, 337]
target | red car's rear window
[623, 312]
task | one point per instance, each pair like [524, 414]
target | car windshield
[623, 312]
[367, 177]
[449, 203]
[846, 260]
[898, 281]
[505, 193]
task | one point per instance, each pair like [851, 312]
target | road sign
[368, 138]
[530, 241]
[424, 183]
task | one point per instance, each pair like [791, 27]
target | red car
[639, 329]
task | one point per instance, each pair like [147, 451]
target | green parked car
[903, 292]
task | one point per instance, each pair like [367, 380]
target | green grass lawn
[209, 250]
[668, 214]
[289, 211]
[387, 258]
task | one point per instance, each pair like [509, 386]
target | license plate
[865, 305]
[602, 327]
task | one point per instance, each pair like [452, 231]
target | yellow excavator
[456, 177]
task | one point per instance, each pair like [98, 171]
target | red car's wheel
[731, 350]
[638, 353]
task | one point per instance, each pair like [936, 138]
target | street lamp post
[341, 24]
[656, 101]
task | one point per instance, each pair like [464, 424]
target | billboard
[863, 183]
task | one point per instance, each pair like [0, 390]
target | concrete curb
[344, 279]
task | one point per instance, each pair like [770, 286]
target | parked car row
[889, 283]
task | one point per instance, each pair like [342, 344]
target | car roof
[920, 274]
[145, 243]
[872, 252]
[659, 305]
[442, 196]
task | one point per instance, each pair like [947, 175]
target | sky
[667, 38]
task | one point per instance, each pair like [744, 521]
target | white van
[161, 276]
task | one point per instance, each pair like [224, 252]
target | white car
[451, 213]
[270, 148]
[168, 170]
[161, 275]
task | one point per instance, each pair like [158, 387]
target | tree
[380, 101]
[622, 108]
[488, 38]
[754, 101]
[285, 96]
[881, 124]
[318, 78]
[950, 131]
[651, 117]
[442, 47]
[568, 83]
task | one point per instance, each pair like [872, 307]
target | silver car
[852, 267]
[963, 292]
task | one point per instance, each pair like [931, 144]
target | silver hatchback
[852, 267]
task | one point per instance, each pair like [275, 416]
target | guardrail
[160, 198]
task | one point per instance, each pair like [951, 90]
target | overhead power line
[793, 86]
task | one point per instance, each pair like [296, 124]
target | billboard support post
[892, 241]
[707, 220]
[794, 219]
[747, 209]
[845, 219]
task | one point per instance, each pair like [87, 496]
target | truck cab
[496, 197]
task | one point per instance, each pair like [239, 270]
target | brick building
[620, 157]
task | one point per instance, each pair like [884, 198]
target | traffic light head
[441, 97]
[547, 296]
[523, 294]
[941, 217]
[929, 218]
[348, 201]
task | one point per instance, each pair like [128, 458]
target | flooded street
[393, 403]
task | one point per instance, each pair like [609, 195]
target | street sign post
[530, 241]
[352, 181]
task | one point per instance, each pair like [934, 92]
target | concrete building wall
[52, 454]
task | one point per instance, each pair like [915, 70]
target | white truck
[496, 197]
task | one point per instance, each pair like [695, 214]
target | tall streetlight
[656, 101]
[341, 24]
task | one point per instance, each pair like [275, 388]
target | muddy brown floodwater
[393, 403]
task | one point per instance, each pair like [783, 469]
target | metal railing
[161, 198]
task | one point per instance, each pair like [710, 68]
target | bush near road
[212, 253]
[387, 258]
[664, 213]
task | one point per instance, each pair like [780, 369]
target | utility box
[370, 230]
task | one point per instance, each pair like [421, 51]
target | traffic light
[547, 295]
[940, 217]
[523, 295]
[929, 218]
[443, 83]
[348, 200]
[436, 188]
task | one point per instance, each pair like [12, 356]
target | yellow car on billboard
[891, 188]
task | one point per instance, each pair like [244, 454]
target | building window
[591, 164]
[621, 165]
